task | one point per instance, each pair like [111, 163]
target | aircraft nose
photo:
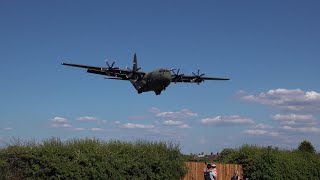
[167, 77]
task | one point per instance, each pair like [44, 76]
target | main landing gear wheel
[157, 92]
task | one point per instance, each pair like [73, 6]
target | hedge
[266, 163]
[91, 159]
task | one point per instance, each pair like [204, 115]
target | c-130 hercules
[156, 80]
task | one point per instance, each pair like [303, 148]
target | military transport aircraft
[156, 80]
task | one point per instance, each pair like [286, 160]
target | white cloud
[261, 132]
[103, 121]
[79, 129]
[137, 126]
[154, 110]
[87, 119]
[301, 129]
[227, 120]
[290, 123]
[89, 129]
[263, 126]
[59, 120]
[8, 128]
[292, 117]
[61, 125]
[172, 123]
[289, 99]
[297, 120]
[184, 126]
[184, 113]
[91, 119]
[96, 129]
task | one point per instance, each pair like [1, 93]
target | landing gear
[158, 92]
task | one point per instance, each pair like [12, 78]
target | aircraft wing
[194, 79]
[119, 74]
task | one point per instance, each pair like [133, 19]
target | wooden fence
[225, 171]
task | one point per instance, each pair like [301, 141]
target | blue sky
[269, 49]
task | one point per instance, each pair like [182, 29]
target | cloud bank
[227, 120]
[288, 99]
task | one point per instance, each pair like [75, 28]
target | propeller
[197, 77]
[110, 67]
[133, 73]
[176, 75]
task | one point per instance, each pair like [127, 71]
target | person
[236, 176]
[215, 170]
[210, 173]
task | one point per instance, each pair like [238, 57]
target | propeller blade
[113, 63]
[173, 70]
[107, 63]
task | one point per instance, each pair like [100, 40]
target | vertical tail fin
[135, 62]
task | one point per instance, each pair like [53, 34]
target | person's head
[236, 172]
[211, 166]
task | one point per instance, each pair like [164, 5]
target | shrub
[271, 163]
[92, 159]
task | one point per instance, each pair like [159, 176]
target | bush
[306, 146]
[92, 159]
[271, 163]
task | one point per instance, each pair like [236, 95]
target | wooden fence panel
[225, 171]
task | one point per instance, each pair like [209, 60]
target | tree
[225, 153]
[306, 146]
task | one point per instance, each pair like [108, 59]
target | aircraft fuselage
[156, 81]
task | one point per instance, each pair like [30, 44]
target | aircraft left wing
[115, 72]
[196, 78]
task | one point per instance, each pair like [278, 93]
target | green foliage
[306, 146]
[92, 159]
[226, 153]
[271, 163]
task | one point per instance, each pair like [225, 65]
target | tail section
[135, 62]
[138, 84]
